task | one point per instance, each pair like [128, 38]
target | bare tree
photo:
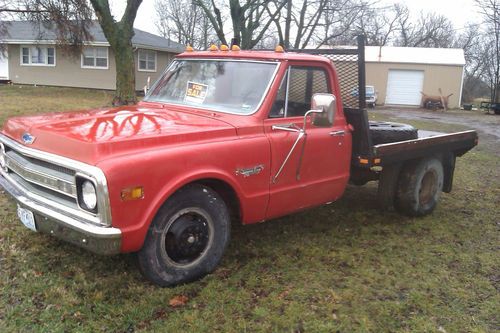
[377, 24]
[71, 20]
[339, 17]
[429, 30]
[490, 10]
[184, 22]
[316, 22]
[301, 22]
[119, 35]
[470, 39]
[250, 20]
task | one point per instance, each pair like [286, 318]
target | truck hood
[90, 136]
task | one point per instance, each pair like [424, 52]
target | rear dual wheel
[419, 187]
[187, 237]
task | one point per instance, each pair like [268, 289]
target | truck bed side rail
[459, 143]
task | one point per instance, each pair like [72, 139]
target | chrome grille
[45, 176]
[50, 180]
[51, 166]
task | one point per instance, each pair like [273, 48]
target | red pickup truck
[222, 136]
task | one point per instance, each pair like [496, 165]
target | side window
[296, 90]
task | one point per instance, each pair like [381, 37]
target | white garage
[404, 87]
[399, 74]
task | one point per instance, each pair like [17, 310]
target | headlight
[3, 164]
[87, 195]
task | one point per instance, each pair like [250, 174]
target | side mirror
[326, 103]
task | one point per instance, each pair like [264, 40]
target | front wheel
[419, 187]
[187, 237]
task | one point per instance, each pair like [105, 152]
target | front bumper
[97, 239]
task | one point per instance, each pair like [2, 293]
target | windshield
[370, 90]
[221, 85]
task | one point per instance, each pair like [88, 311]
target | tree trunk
[125, 73]
[238, 21]
[288, 24]
[119, 36]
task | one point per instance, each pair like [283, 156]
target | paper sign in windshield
[196, 92]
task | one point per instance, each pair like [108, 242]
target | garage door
[404, 87]
[4, 66]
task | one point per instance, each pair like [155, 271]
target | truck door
[313, 169]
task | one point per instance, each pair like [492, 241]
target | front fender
[162, 172]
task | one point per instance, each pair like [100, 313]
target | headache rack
[349, 62]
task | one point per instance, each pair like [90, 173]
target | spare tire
[386, 132]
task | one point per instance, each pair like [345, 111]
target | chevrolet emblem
[28, 138]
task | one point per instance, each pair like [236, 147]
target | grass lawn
[343, 267]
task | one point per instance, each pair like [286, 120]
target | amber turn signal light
[132, 193]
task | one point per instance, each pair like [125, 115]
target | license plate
[27, 218]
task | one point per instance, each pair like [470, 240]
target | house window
[95, 57]
[147, 60]
[38, 56]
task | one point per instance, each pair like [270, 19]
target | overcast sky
[458, 11]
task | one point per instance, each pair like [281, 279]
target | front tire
[187, 237]
[419, 187]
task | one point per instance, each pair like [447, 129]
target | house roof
[415, 55]
[28, 32]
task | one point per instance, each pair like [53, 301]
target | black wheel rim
[187, 236]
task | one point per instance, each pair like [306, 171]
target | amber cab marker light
[132, 193]
[224, 47]
[189, 48]
[235, 48]
[213, 47]
[279, 49]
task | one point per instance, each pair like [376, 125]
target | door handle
[337, 133]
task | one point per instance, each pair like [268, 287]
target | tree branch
[130, 13]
